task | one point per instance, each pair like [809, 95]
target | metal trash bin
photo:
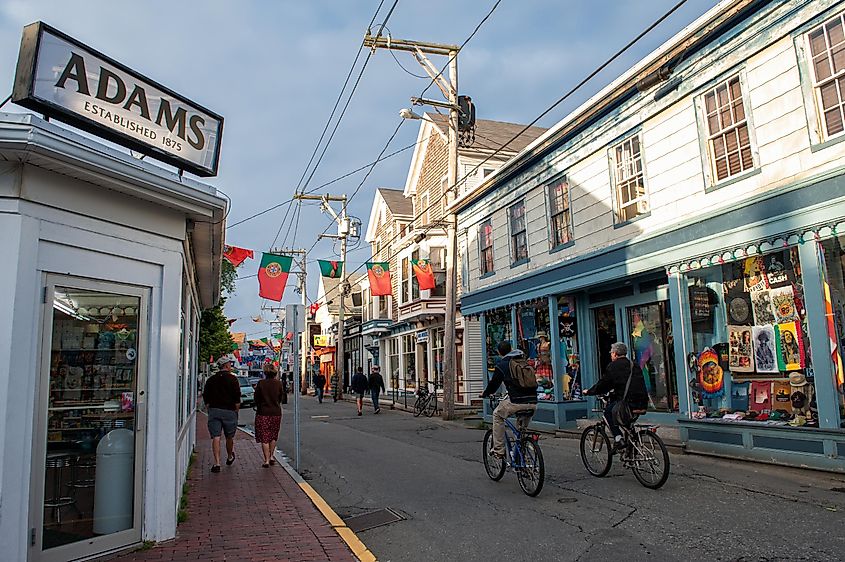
[114, 485]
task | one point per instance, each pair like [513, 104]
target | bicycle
[426, 401]
[644, 452]
[523, 454]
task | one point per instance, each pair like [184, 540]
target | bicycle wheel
[494, 466]
[431, 406]
[532, 473]
[595, 451]
[650, 462]
[419, 405]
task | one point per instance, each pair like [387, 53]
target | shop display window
[568, 371]
[498, 323]
[750, 358]
[409, 343]
[437, 356]
[834, 271]
[532, 336]
[652, 347]
[393, 361]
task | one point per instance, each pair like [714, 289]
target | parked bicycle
[644, 452]
[523, 454]
[426, 401]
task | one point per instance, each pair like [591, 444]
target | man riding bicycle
[520, 399]
[613, 381]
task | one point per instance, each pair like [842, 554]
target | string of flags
[274, 269]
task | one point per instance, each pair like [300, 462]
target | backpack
[522, 374]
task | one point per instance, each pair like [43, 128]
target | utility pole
[449, 88]
[342, 233]
[301, 288]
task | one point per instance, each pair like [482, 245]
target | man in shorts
[222, 395]
[360, 386]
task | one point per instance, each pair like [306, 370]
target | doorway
[605, 322]
[87, 469]
[649, 331]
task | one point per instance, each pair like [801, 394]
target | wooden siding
[765, 55]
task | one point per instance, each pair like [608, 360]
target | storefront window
[750, 356]
[834, 261]
[93, 381]
[437, 356]
[532, 332]
[393, 361]
[498, 324]
[568, 372]
[409, 344]
[650, 331]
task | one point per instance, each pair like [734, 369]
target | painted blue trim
[733, 179]
[514, 338]
[486, 275]
[554, 338]
[682, 337]
[558, 278]
[523, 261]
[827, 143]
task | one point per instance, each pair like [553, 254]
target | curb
[359, 549]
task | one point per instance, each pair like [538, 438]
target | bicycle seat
[639, 412]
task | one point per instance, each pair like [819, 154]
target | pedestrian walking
[376, 384]
[334, 386]
[222, 395]
[359, 387]
[320, 386]
[269, 393]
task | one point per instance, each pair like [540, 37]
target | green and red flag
[424, 273]
[236, 255]
[273, 275]
[379, 276]
[330, 269]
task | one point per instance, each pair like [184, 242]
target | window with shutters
[729, 143]
[827, 61]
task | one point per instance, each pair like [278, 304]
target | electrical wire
[560, 100]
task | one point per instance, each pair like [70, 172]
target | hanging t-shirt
[780, 396]
[761, 396]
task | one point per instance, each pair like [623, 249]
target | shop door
[649, 333]
[88, 453]
[605, 322]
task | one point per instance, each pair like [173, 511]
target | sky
[274, 69]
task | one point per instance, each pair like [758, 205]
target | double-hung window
[631, 197]
[561, 224]
[519, 235]
[728, 139]
[485, 236]
[437, 259]
[827, 52]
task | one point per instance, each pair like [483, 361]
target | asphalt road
[431, 472]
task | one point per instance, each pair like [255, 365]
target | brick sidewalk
[246, 512]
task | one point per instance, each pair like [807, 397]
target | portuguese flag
[236, 255]
[379, 276]
[424, 273]
[330, 269]
[273, 275]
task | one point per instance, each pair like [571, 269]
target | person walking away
[222, 395]
[269, 394]
[522, 393]
[376, 384]
[334, 387]
[359, 387]
[615, 379]
[320, 386]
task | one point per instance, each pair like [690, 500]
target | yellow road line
[359, 549]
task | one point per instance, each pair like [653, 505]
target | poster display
[789, 347]
[740, 349]
[765, 351]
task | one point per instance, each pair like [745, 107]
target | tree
[215, 339]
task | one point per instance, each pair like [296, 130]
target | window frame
[618, 221]
[551, 214]
[424, 210]
[815, 84]
[517, 259]
[481, 249]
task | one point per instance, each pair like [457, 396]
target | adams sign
[71, 82]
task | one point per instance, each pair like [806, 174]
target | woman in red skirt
[268, 418]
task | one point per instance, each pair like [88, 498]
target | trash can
[114, 485]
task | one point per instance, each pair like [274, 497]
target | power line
[563, 98]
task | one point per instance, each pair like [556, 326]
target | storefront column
[682, 334]
[557, 362]
[826, 397]
[514, 332]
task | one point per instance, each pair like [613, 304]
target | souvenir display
[754, 274]
[781, 392]
[710, 375]
[783, 304]
[760, 396]
[790, 351]
[765, 350]
[775, 269]
[761, 303]
[740, 349]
